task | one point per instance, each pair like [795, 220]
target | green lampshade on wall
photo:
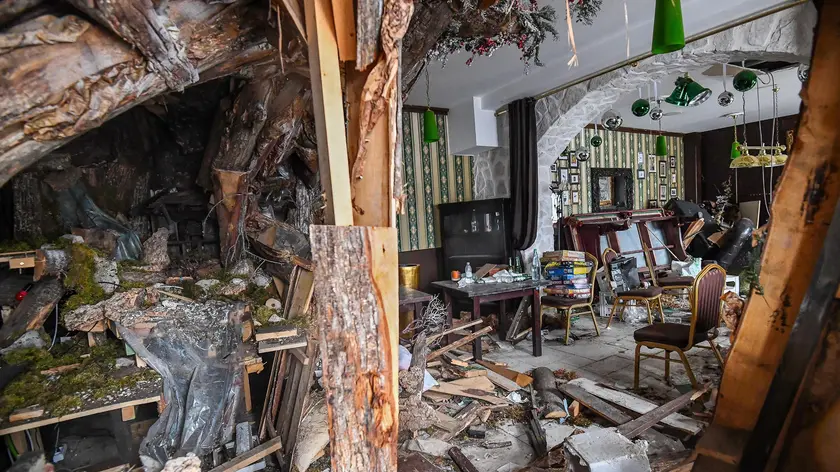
[736, 150]
[668, 33]
[430, 127]
[661, 146]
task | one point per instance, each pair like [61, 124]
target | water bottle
[474, 223]
[535, 266]
[468, 271]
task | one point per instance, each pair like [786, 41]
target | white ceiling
[499, 79]
[709, 115]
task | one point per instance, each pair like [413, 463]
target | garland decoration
[585, 11]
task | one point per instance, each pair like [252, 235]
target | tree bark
[53, 93]
[137, 22]
[356, 288]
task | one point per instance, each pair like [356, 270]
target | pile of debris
[482, 415]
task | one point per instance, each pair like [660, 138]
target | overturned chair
[650, 296]
[569, 305]
[705, 318]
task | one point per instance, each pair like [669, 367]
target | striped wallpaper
[621, 149]
[432, 176]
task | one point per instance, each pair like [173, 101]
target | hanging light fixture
[744, 80]
[640, 107]
[430, 127]
[688, 93]
[668, 33]
[596, 140]
[661, 143]
[735, 151]
[725, 98]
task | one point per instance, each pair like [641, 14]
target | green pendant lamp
[661, 146]
[668, 33]
[735, 151]
[688, 93]
[744, 81]
[430, 127]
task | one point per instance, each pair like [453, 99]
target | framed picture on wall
[573, 161]
[652, 164]
[640, 174]
[554, 167]
[565, 197]
[673, 162]
[640, 159]
[673, 192]
[575, 178]
[653, 203]
[663, 192]
[575, 197]
[564, 176]
[663, 170]
[563, 157]
[673, 176]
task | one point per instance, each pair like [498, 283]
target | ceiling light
[668, 33]
[688, 93]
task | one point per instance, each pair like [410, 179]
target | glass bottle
[488, 225]
[468, 271]
[474, 222]
[498, 221]
[536, 270]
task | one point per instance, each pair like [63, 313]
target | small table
[496, 292]
[413, 299]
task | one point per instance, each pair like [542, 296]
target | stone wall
[492, 168]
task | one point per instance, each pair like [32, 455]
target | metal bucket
[410, 275]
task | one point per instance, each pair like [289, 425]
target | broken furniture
[668, 282]
[412, 299]
[650, 295]
[705, 319]
[569, 305]
[489, 292]
[18, 259]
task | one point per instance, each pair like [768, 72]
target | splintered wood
[356, 288]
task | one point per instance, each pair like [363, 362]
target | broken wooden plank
[358, 299]
[281, 344]
[32, 311]
[128, 413]
[60, 369]
[536, 433]
[638, 405]
[595, 404]
[460, 342]
[463, 419]
[301, 294]
[415, 462]
[251, 456]
[451, 330]
[517, 318]
[445, 422]
[461, 460]
[502, 382]
[26, 413]
[636, 427]
[345, 29]
[445, 387]
[275, 332]
[521, 379]
[478, 383]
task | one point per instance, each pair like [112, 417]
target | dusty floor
[607, 359]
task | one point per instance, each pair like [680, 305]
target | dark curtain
[523, 171]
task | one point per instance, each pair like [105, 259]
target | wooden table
[411, 299]
[496, 292]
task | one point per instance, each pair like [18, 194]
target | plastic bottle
[536, 270]
[468, 271]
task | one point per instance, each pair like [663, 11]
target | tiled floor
[609, 358]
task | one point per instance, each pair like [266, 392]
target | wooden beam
[631, 429]
[357, 292]
[459, 343]
[802, 209]
[328, 102]
[345, 28]
[251, 456]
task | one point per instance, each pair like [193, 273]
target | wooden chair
[705, 318]
[650, 296]
[670, 282]
[569, 305]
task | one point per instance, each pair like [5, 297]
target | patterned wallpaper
[432, 176]
[622, 149]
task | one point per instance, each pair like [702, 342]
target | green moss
[262, 313]
[14, 246]
[131, 285]
[60, 394]
[80, 278]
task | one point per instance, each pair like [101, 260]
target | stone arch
[784, 36]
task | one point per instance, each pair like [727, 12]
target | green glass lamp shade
[661, 146]
[596, 141]
[744, 80]
[736, 150]
[688, 93]
[668, 33]
[430, 127]
[640, 107]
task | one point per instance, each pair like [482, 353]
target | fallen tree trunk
[137, 22]
[55, 92]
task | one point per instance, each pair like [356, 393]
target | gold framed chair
[569, 305]
[651, 296]
[705, 318]
[670, 282]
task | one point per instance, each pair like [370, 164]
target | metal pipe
[690, 39]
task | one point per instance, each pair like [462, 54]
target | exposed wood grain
[459, 343]
[368, 26]
[328, 103]
[633, 428]
[502, 382]
[26, 414]
[521, 379]
[802, 208]
[357, 292]
[448, 388]
[32, 311]
[458, 327]
[345, 29]
[462, 420]
[139, 23]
